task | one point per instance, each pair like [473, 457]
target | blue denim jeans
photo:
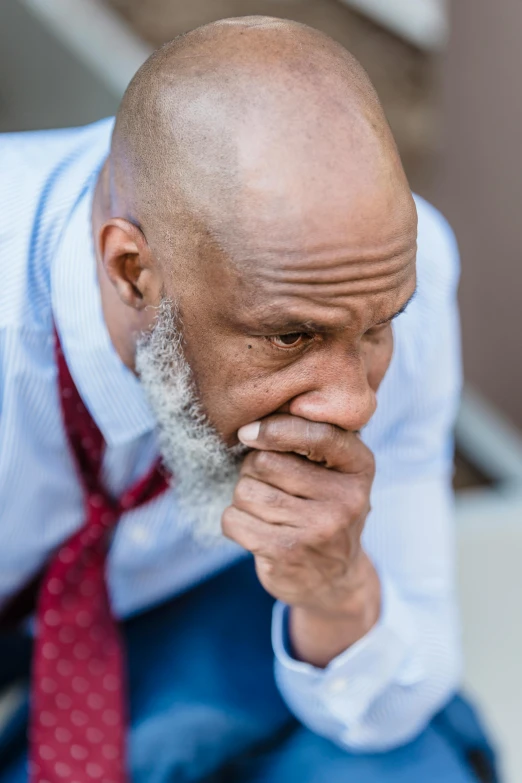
[204, 706]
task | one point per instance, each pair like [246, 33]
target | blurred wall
[41, 84]
[478, 185]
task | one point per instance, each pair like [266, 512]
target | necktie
[78, 705]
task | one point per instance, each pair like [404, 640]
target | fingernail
[249, 432]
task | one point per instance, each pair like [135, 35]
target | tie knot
[127, 501]
[97, 500]
[102, 510]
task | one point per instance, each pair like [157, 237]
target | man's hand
[300, 506]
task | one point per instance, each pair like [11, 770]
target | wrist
[319, 634]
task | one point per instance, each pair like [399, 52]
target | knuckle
[227, 520]
[370, 463]
[265, 567]
[244, 491]
[334, 437]
[273, 498]
[316, 440]
[331, 524]
[264, 461]
[359, 501]
[338, 519]
[289, 542]
[250, 491]
[248, 462]
[285, 546]
[322, 440]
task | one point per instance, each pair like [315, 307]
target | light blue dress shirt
[386, 687]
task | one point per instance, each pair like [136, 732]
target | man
[217, 284]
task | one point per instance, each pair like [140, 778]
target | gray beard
[205, 471]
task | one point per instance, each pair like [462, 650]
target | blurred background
[447, 75]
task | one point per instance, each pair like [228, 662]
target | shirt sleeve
[384, 690]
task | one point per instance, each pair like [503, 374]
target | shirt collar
[111, 392]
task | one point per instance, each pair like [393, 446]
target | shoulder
[437, 252]
[29, 158]
[418, 398]
[43, 173]
[429, 319]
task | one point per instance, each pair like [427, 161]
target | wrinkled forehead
[285, 218]
[337, 258]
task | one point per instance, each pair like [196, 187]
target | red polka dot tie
[78, 707]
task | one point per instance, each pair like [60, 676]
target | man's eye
[378, 330]
[288, 340]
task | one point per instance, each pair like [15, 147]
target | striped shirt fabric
[385, 688]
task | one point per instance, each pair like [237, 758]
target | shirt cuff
[354, 679]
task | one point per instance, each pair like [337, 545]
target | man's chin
[203, 490]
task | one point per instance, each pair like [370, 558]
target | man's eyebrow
[290, 325]
[293, 325]
[399, 312]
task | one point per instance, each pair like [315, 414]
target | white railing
[423, 23]
[96, 36]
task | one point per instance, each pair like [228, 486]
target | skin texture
[254, 181]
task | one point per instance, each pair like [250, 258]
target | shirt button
[337, 685]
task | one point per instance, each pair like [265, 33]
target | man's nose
[341, 398]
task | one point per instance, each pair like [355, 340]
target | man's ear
[127, 259]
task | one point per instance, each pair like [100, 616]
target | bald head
[256, 199]
[225, 124]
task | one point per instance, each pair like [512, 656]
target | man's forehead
[328, 273]
[293, 220]
[330, 250]
[284, 305]
[297, 258]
